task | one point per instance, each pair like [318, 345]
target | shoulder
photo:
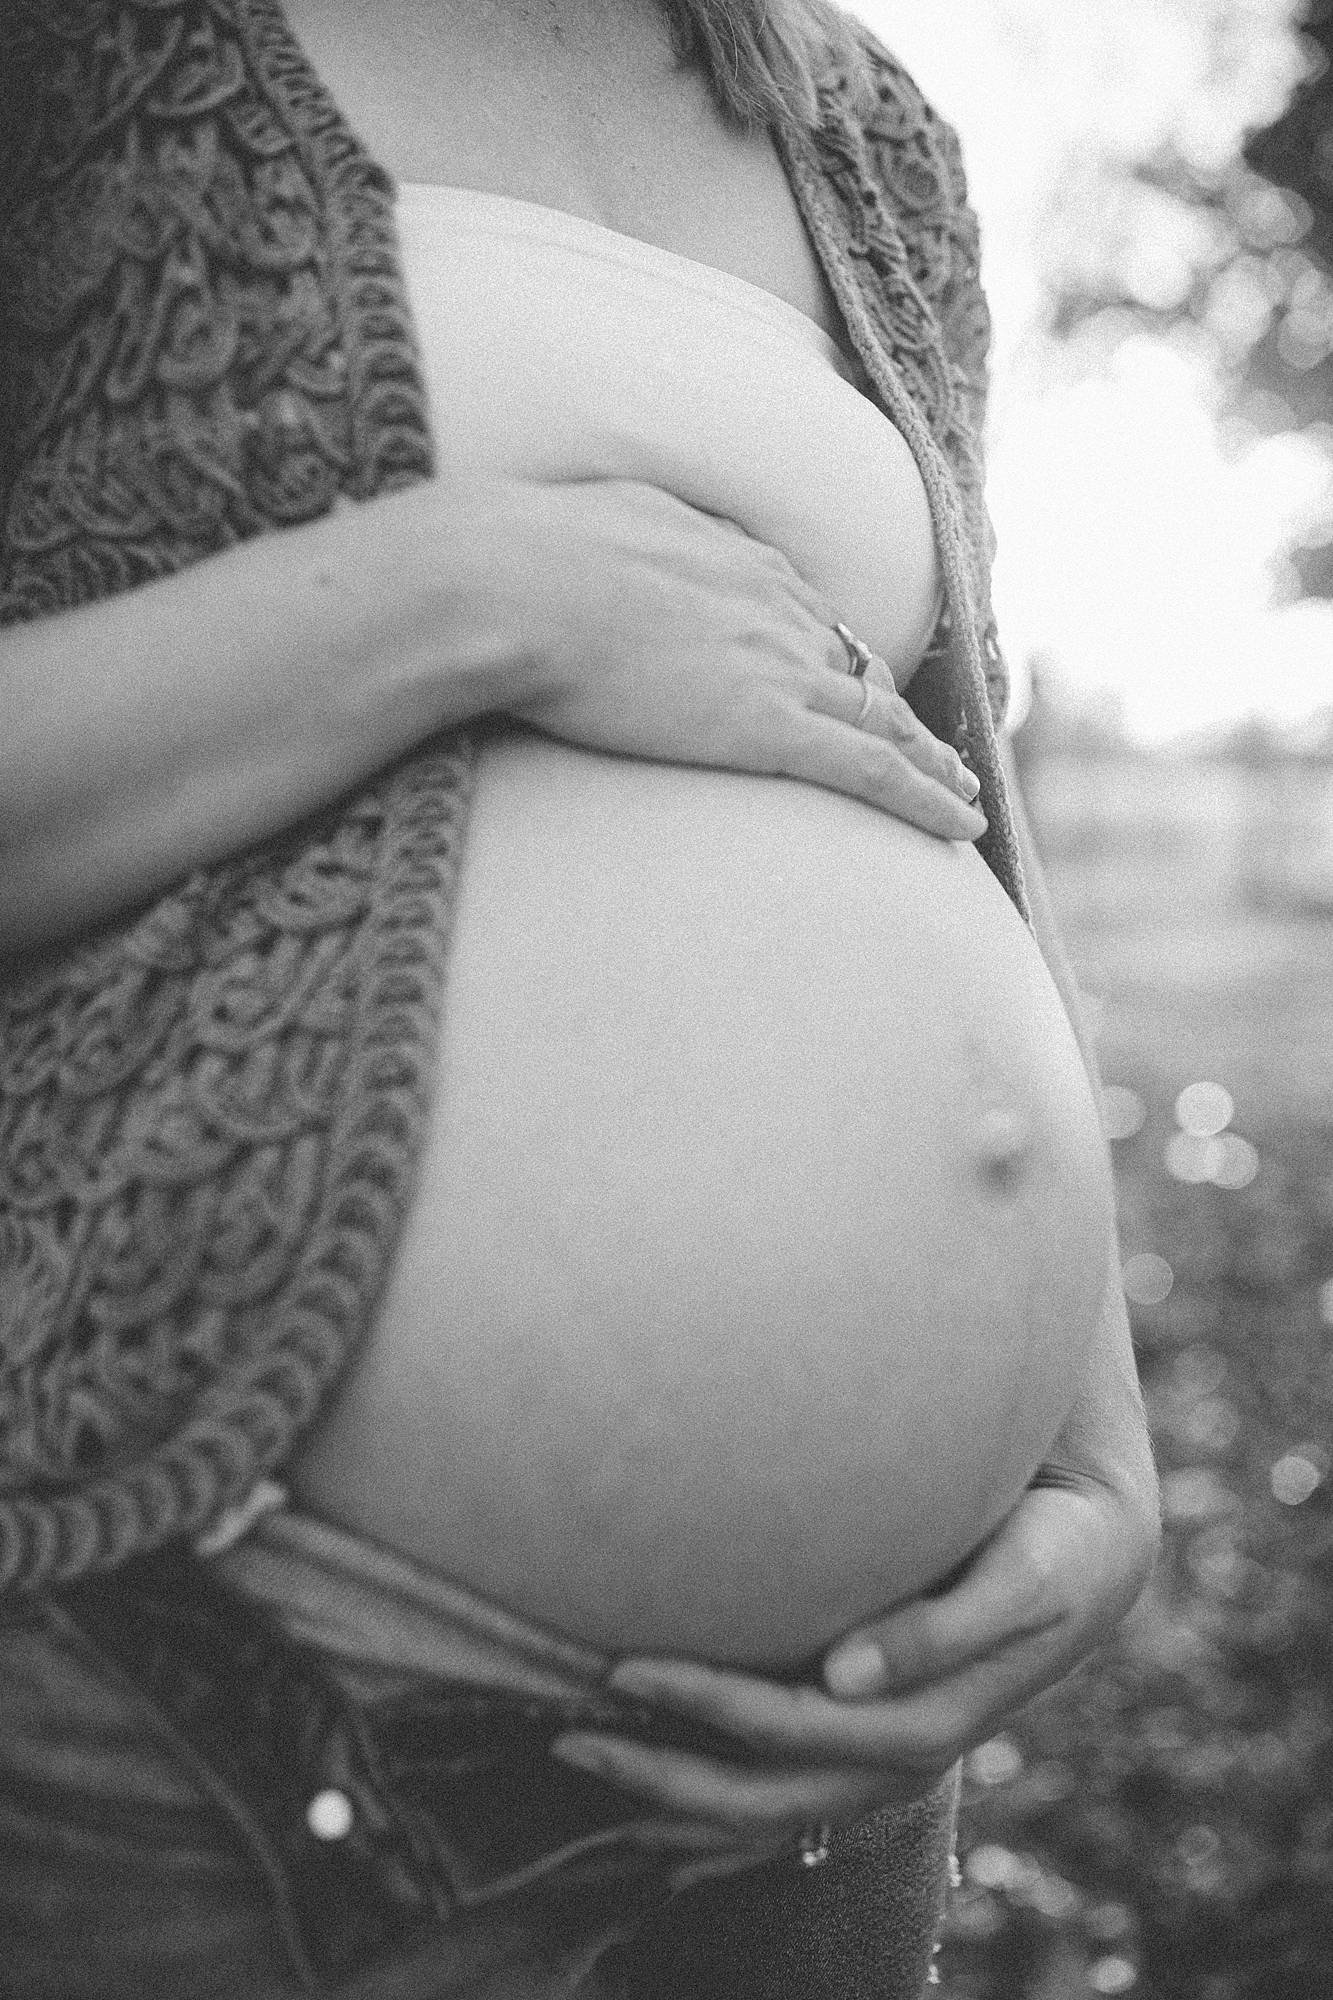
[896, 164]
[872, 104]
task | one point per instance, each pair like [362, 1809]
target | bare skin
[575, 104]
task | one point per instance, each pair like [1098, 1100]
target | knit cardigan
[210, 1110]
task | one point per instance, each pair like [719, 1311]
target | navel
[1003, 1149]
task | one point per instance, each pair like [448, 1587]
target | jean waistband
[385, 1821]
[378, 1616]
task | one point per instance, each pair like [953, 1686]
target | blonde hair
[760, 56]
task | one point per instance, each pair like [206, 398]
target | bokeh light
[1200, 1370]
[1147, 1279]
[1217, 1565]
[1109, 1923]
[1204, 1109]
[1195, 1493]
[1213, 1424]
[1112, 1975]
[1223, 1160]
[1238, 1163]
[1193, 1159]
[1198, 1846]
[993, 1867]
[1295, 1478]
[1052, 1897]
[995, 1762]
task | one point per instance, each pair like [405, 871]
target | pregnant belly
[761, 1226]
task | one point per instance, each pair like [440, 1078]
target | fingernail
[857, 1670]
[969, 784]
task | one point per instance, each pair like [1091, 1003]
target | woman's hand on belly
[659, 631]
[1046, 1589]
[912, 1693]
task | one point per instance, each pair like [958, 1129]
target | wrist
[425, 595]
[525, 568]
[499, 585]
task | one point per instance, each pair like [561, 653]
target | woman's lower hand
[660, 631]
[908, 1695]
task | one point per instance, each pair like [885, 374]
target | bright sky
[1140, 548]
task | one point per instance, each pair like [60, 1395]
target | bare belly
[762, 1220]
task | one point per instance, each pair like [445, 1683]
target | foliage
[1232, 254]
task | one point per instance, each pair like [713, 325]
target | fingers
[754, 1805]
[800, 1724]
[908, 771]
[701, 1850]
[812, 603]
[776, 1719]
[909, 1741]
[1028, 1604]
[878, 763]
[889, 717]
[704, 1850]
[994, 1605]
[921, 1686]
[871, 703]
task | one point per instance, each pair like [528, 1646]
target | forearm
[187, 719]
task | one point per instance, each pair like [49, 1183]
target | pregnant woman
[551, 1203]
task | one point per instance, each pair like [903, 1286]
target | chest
[580, 105]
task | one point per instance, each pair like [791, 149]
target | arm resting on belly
[161, 729]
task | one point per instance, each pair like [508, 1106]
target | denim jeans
[201, 1799]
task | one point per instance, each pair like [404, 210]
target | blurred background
[1155, 182]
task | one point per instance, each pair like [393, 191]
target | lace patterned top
[210, 1110]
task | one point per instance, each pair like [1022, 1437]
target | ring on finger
[859, 654]
[867, 696]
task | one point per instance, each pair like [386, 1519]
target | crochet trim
[920, 324]
[209, 1115]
